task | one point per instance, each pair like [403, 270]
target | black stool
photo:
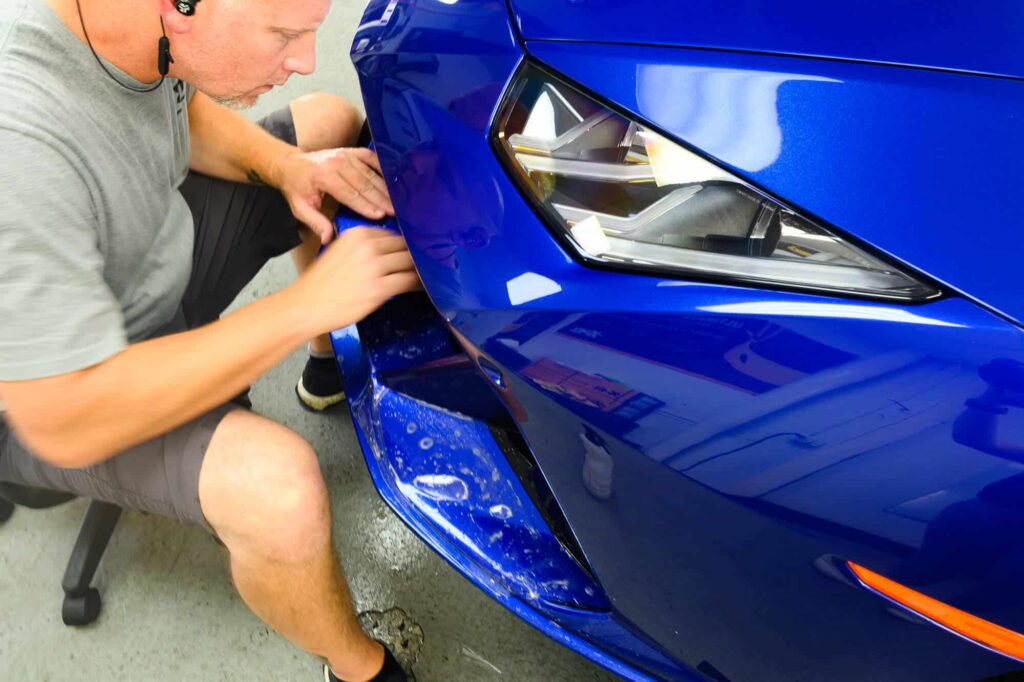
[81, 600]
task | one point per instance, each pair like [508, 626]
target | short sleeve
[57, 313]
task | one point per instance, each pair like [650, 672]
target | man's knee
[325, 121]
[262, 490]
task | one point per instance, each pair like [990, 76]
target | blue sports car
[719, 372]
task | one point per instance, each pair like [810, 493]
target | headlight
[620, 193]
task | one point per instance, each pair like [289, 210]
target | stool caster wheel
[81, 609]
[6, 509]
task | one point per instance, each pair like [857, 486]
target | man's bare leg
[262, 491]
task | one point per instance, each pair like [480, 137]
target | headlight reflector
[620, 193]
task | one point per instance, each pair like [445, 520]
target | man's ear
[174, 21]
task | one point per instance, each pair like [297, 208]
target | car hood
[958, 35]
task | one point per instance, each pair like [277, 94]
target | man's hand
[352, 176]
[354, 277]
[227, 145]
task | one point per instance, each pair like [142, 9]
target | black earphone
[186, 7]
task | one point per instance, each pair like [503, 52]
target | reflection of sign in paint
[746, 359]
[385, 17]
[595, 391]
[640, 405]
[746, 354]
[528, 326]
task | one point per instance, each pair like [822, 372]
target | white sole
[317, 402]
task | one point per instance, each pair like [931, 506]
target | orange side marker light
[985, 633]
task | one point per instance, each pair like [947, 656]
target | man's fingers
[401, 282]
[377, 241]
[316, 221]
[375, 190]
[399, 261]
[372, 176]
[390, 243]
[370, 158]
[342, 190]
[352, 177]
[368, 182]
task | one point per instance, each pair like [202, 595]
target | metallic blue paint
[716, 450]
[954, 34]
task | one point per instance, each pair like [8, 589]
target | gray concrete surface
[170, 612]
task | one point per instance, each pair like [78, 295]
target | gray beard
[237, 103]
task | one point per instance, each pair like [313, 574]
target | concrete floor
[170, 612]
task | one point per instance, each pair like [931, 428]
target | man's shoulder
[37, 107]
[38, 115]
[27, 35]
[36, 73]
[12, 16]
[30, 121]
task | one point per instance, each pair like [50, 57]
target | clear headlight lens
[620, 193]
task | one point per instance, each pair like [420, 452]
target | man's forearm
[225, 144]
[76, 419]
[155, 386]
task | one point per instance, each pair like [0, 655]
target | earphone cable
[99, 61]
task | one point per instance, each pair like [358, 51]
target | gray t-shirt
[95, 238]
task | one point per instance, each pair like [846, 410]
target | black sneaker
[391, 671]
[319, 386]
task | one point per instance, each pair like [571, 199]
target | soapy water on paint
[556, 585]
[441, 487]
[410, 352]
[501, 511]
[448, 487]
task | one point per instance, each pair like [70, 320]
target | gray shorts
[239, 227]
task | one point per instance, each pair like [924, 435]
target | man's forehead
[291, 15]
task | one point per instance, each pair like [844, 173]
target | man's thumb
[317, 222]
